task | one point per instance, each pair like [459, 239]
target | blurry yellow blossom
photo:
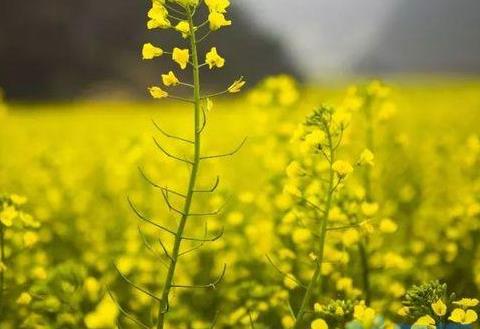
[369, 209]
[24, 299]
[104, 316]
[342, 168]
[319, 324]
[315, 138]
[403, 311]
[294, 169]
[366, 158]
[350, 237]
[301, 235]
[364, 314]
[18, 199]
[7, 215]
[92, 287]
[288, 322]
[387, 225]
[29, 239]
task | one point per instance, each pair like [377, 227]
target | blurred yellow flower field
[77, 163]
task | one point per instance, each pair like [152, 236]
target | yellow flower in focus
[342, 168]
[158, 17]
[157, 92]
[213, 59]
[217, 21]
[467, 302]
[236, 87]
[459, 315]
[149, 51]
[425, 321]
[184, 28]
[24, 299]
[439, 308]
[219, 6]
[319, 324]
[181, 57]
[170, 79]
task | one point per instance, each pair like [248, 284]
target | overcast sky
[325, 35]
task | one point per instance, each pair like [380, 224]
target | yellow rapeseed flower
[213, 59]
[315, 138]
[149, 51]
[467, 302]
[170, 79]
[24, 299]
[184, 28]
[366, 158]
[342, 168]
[29, 239]
[181, 57]
[439, 308]
[459, 315]
[319, 324]
[425, 321]
[217, 21]
[157, 92]
[7, 215]
[158, 17]
[219, 6]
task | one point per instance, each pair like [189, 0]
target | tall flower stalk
[161, 15]
[320, 138]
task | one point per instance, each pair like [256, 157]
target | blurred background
[89, 49]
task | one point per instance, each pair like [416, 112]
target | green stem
[317, 275]
[192, 181]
